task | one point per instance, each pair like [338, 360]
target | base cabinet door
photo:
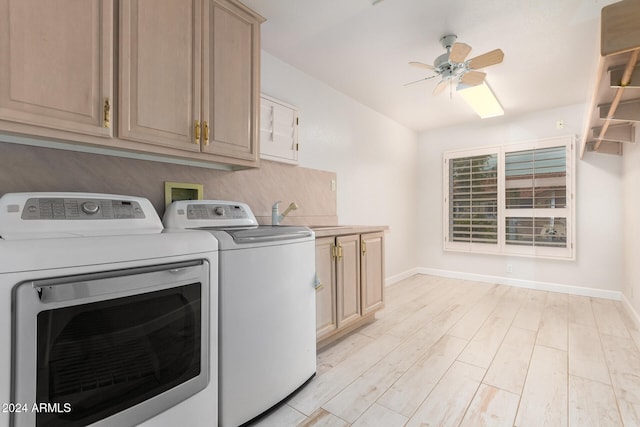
[372, 271]
[326, 287]
[351, 276]
[56, 69]
[348, 279]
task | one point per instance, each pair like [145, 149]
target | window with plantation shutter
[473, 194]
[515, 199]
[536, 197]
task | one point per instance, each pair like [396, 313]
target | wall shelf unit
[615, 105]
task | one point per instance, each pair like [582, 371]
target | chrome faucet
[276, 217]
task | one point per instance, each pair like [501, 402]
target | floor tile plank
[491, 407]
[467, 327]
[447, 403]
[530, 313]
[586, 358]
[485, 343]
[406, 394]
[334, 354]
[322, 418]
[553, 326]
[378, 415]
[623, 360]
[592, 404]
[544, 397]
[608, 319]
[323, 387]
[508, 370]
[580, 311]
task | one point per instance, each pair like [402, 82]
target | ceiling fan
[453, 66]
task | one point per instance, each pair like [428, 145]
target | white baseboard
[528, 284]
[632, 312]
[398, 277]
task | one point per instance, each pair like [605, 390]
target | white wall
[373, 156]
[631, 168]
[599, 207]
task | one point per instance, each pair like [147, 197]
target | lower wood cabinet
[326, 319]
[372, 272]
[350, 270]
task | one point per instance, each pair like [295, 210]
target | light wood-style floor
[448, 352]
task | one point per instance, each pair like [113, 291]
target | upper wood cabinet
[231, 70]
[189, 76]
[160, 72]
[56, 68]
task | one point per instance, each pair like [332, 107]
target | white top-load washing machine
[267, 344]
[104, 318]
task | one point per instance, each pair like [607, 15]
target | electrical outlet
[509, 268]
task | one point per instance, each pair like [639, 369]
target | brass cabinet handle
[363, 248]
[339, 251]
[107, 113]
[206, 133]
[196, 132]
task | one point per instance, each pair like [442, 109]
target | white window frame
[501, 247]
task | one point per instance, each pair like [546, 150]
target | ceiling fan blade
[418, 81]
[421, 65]
[490, 58]
[473, 78]
[440, 86]
[459, 52]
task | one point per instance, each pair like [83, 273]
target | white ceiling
[362, 50]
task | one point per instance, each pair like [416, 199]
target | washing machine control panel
[185, 214]
[213, 211]
[72, 209]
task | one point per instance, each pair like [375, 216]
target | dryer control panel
[66, 208]
[44, 215]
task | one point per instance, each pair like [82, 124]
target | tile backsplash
[26, 168]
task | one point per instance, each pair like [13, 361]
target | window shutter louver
[474, 199]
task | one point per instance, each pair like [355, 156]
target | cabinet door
[231, 66]
[372, 251]
[56, 69]
[348, 279]
[326, 293]
[160, 80]
[278, 131]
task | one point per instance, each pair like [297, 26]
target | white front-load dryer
[105, 319]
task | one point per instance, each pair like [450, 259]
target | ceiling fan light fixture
[482, 99]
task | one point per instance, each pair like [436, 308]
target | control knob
[90, 208]
[218, 210]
